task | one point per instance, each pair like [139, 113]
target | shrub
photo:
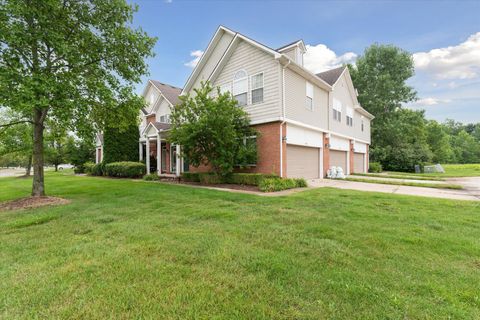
[191, 176]
[252, 179]
[125, 169]
[278, 184]
[121, 144]
[79, 169]
[94, 169]
[211, 178]
[375, 167]
[151, 177]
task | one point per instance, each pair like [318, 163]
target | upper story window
[349, 117]
[165, 118]
[362, 126]
[309, 93]
[240, 87]
[337, 110]
[257, 88]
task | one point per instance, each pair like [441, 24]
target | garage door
[358, 162]
[338, 159]
[303, 162]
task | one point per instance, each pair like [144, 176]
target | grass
[136, 250]
[451, 171]
[407, 183]
[402, 176]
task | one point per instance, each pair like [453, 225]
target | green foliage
[125, 169]
[253, 179]
[439, 142]
[121, 144]
[94, 169]
[279, 184]
[212, 130]
[466, 148]
[375, 167]
[79, 151]
[151, 177]
[191, 176]
[55, 146]
[71, 63]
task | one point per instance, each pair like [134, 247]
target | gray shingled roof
[287, 45]
[161, 126]
[331, 76]
[170, 92]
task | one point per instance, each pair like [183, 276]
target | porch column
[159, 154]
[140, 151]
[178, 163]
[148, 155]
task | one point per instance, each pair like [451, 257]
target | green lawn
[451, 171]
[397, 182]
[133, 249]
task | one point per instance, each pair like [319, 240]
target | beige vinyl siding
[357, 122]
[359, 163]
[163, 109]
[295, 101]
[218, 50]
[303, 162]
[341, 92]
[338, 159]
[253, 60]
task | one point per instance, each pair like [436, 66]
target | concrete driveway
[11, 172]
[471, 191]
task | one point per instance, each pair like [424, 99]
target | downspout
[283, 118]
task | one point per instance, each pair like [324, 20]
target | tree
[380, 76]
[212, 130]
[72, 63]
[466, 149]
[79, 151]
[55, 147]
[121, 144]
[439, 141]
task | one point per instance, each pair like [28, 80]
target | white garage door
[303, 162]
[338, 159]
[358, 162]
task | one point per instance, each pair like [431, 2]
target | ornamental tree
[71, 63]
[213, 130]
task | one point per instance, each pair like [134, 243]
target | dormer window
[240, 87]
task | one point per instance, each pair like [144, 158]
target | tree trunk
[56, 167]
[28, 169]
[38, 188]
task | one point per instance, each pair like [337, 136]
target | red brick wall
[326, 154]
[151, 118]
[268, 148]
[352, 150]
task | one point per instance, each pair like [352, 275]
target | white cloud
[453, 62]
[168, 1]
[197, 54]
[319, 58]
[429, 102]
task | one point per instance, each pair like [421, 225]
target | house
[307, 122]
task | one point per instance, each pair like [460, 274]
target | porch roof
[154, 128]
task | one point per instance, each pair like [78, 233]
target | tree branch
[14, 123]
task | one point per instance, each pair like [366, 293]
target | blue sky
[447, 78]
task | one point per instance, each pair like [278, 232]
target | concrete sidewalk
[394, 189]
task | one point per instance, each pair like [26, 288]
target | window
[257, 88]
[309, 93]
[240, 87]
[349, 121]
[337, 110]
[362, 125]
[165, 118]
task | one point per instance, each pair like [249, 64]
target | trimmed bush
[79, 169]
[375, 167]
[211, 178]
[121, 145]
[251, 179]
[151, 177]
[125, 169]
[191, 176]
[94, 169]
[279, 184]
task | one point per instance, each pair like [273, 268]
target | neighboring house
[307, 122]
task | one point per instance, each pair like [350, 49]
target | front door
[173, 158]
[164, 157]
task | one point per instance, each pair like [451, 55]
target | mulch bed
[32, 202]
[225, 186]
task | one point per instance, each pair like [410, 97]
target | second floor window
[349, 121]
[240, 87]
[165, 118]
[257, 88]
[337, 110]
[309, 93]
[362, 126]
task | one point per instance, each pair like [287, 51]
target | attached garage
[358, 162]
[303, 162]
[338, 159]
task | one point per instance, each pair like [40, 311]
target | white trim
[161, 94]
[147, 155]
[295, 44]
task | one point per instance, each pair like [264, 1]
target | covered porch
[159, 155]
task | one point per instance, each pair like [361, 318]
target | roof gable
[331, 76]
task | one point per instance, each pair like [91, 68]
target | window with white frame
[240, 87]
[349, 117]
[257, 88]
[309, 93]
[362, 126]
[337, 110]
[165, 118]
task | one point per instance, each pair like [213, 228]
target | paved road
[471, 191]
[11, 172]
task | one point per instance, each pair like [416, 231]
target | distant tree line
[402, 137]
